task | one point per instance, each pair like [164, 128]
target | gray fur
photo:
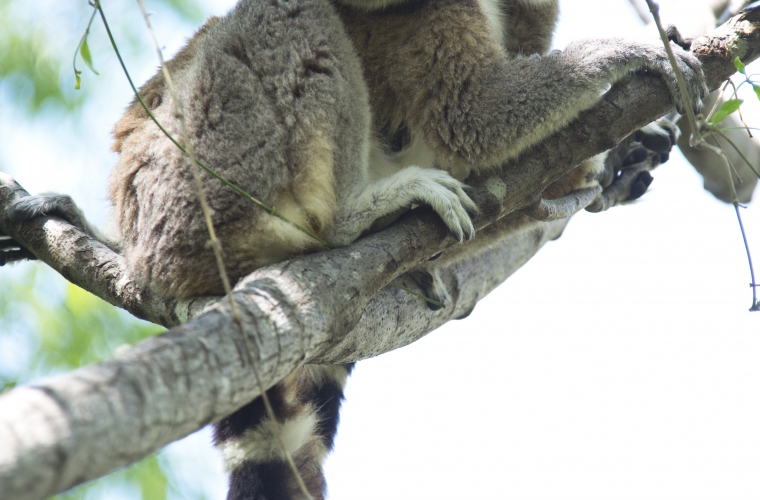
[273, 113]
[475, 103]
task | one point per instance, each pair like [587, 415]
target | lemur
[339, 113]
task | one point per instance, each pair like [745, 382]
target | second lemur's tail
[306, 405]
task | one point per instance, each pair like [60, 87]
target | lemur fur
[340, 113]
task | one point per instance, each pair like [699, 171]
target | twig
[216, 246]
[697, 141]
[718, 101]
[753, 284]
[738, 151]
[82, 43]
[741, 117]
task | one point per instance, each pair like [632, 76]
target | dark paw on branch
[12, 251]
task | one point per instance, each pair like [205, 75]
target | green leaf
[726, 109]
[79, 80]
[84, 51]
[739, 65]
[756, 88]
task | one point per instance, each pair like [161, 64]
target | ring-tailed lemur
[339, 113]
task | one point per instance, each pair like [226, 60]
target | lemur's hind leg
[629, 179]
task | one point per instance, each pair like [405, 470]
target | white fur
[260, 445]
[494, 14]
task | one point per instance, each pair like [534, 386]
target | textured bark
[329, 307]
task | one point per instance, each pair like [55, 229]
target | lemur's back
[275, 102]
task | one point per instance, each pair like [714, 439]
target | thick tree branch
[327, 307]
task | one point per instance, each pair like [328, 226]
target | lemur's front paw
[444, 194]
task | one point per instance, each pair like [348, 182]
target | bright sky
[621, 362]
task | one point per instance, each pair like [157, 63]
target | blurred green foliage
[71, 327]
[29, 70]
[47, 325]
[37, 71]
[61, 327]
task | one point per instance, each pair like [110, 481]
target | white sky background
[620, 362]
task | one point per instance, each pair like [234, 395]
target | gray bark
[328, 307]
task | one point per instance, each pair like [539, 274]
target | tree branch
[328, 307]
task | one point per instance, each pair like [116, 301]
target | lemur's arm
[473, 103]
[529, 25]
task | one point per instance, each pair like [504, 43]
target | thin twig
[732, 128]
[753, 284]
[79, 46]
[697, 141]
[738, 151]
[741, 117]
[733, 168]
[216, 246]
[718, 102]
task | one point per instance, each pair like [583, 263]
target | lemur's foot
[629, 178]
[656, 140]
[444, 194]
[658, 137]
[432, 286]
[12, 251]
